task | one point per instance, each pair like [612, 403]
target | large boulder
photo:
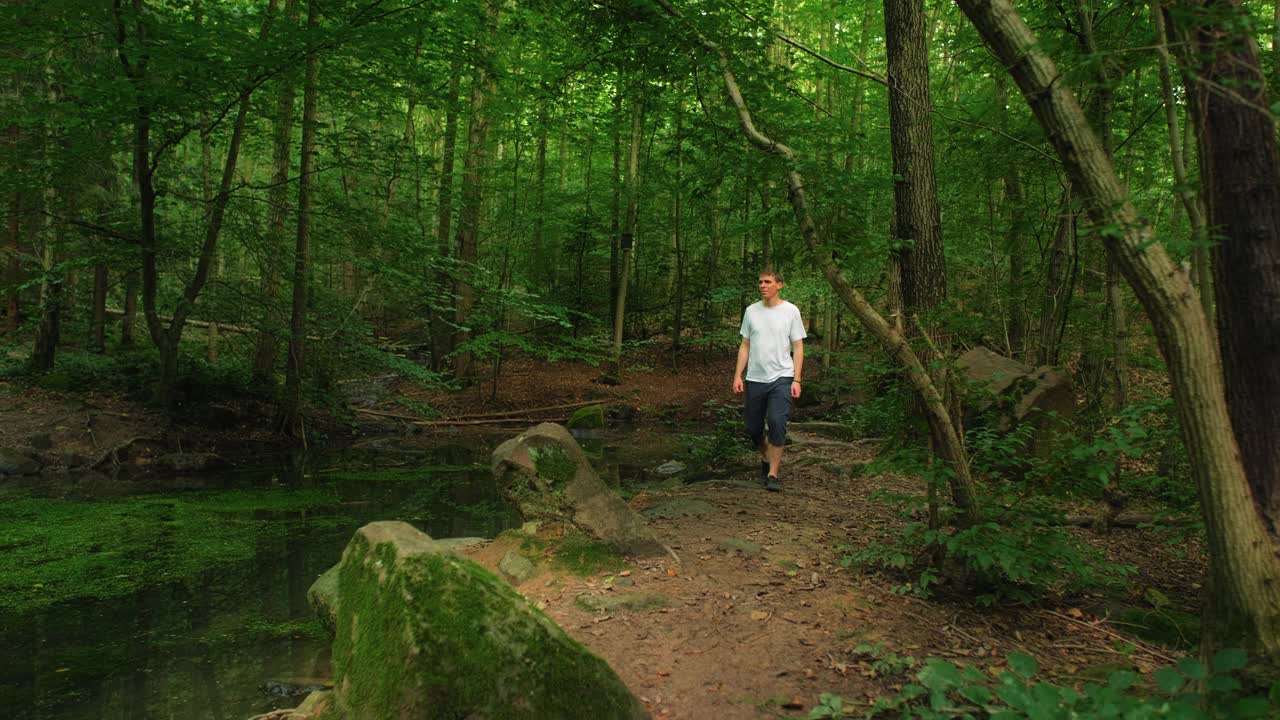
[424, 633]
[322, 596]
[16, 462]
[545, 474]
[1016, 395]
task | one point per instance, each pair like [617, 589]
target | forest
[276, 227]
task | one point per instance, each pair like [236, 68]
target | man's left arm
[797, 357]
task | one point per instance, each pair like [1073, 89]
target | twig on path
[1146, 647]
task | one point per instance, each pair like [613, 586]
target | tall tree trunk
[98, 330]
[614, 375]
[14, 300]
[482, 89]
[1059, 282]
[615, 206]
[1237, 139]
[267, 340]
[1015, 241]
[135, 60]
[49, 331]
[290, 414]
[677, 218]
[713, 251]
[1201, 269]
[440, 328]
[1244, 603]
[130, 314]
[915, 197]
[543, 265]
[962, 486]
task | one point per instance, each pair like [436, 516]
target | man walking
[772, 354]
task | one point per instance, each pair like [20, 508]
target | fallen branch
[1146, 647]
[518, 415]
[111, 451]
[1124, 521]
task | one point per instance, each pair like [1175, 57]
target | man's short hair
[777, 276]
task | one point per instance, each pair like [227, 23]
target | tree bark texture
[13, 305]
[1237, 139]
[440, 329]
[1190, 198]
[267, 341]
[98, 328]
[1245, 570]
[962, 486]
[1059, 283]
[627, 242]
[290, 414]
[468, 238]
[915, 189]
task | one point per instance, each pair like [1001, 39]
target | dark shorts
[768, 401]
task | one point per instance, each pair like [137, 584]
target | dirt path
[763, 618]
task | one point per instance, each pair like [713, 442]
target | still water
[187, 598]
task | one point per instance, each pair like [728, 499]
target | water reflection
[204, 646]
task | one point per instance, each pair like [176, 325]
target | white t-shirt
[771, 330]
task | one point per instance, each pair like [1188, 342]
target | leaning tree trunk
[291, 409]
[962, 486]
[1244, 566]
[467, 245]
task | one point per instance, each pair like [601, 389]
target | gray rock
[16, 462]
[612, 602]
[457, 544]
[1018, 395]
[322, 596]
[423, 633]
[670, 467]
[191, 462]
[516, 567]
[546, 476]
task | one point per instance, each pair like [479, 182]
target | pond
[187, 597]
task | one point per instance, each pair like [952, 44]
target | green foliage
[1016, 552]
[884, 663]
[1189, 691]
[724, 443]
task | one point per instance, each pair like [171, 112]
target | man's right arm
[744, 350]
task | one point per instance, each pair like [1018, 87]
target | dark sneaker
[773, 484]
[764, 473]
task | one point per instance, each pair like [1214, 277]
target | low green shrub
[1187, 691]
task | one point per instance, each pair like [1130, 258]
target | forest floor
[760, 615]
[763, 618]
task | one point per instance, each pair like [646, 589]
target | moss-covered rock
[423, 633]
[545, 474]
[323, 599]
[590, 417]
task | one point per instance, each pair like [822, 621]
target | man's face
[769, 287]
